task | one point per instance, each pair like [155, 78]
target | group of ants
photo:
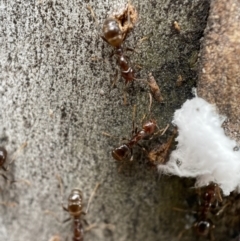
[115, 30]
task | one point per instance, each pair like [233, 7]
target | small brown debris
[154, 88]
[161, 153]
[127, 19]
[176, 26]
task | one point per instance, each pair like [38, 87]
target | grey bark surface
[57, 96]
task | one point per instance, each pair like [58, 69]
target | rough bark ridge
[56, 95]
[219, 75]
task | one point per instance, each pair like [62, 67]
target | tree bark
[220, 59]
[57, 96]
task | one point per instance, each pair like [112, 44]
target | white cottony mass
[203, 150]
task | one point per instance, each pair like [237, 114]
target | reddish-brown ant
[210, 199]
[124, 152]
[208, 203]
[75, 209]
[115, 30]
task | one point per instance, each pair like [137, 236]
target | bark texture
[219, 74]
[57, 96]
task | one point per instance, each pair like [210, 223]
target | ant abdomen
[203, 227]
[122, 153]
[112, 32]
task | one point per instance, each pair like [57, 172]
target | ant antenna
[92, 195]
[89, 8]
[150, 103]
[17, 153]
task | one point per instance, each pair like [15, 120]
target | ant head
[150, 126]
[203, 227]
[122, 153]
[112, 32]
[75, 202]
[3, 156]
[210, 196]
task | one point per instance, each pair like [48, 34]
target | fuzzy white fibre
[203, 150]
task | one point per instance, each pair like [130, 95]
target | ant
[75, 209]
[210, 199]
[208, 202]
[115, 30]
[124, 152]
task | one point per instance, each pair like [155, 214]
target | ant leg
[147, 116]
[60, 184]
[109, 135]
[102, 226]
[186, 229]
[15, 155]
[131, 159]
[4, 168]
[128, 11]
[125, 90]
[124, 98]
[139, 145]
[66, 220]
[161, 131]
[103, 38]
[129, 49]
[4, 177]
[8, 204]
[115, 79]
[211, 235]
[90, 226]
[7, 179]
[134, 129]
[48, 212]
[181, 233]
[64, 208]
[150, 104]
[143, 149]
[218, 192]
[55, 238]
[89, 8]
[223, 208]
[92, 195]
